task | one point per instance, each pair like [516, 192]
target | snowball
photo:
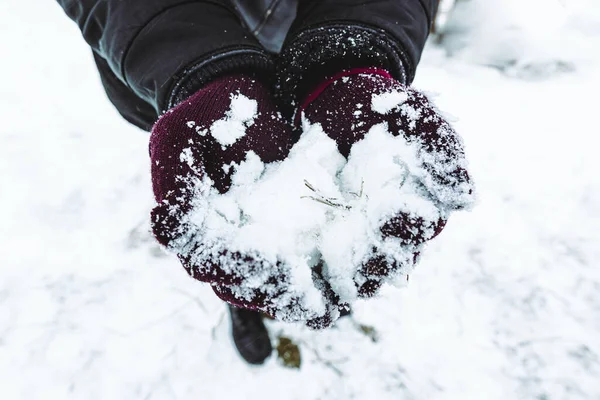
[242, 108]
[240, 116]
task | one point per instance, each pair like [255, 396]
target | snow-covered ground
[504, 305]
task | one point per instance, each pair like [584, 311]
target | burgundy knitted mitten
[347, 106]
[194, 148]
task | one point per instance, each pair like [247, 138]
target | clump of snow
[240, 116]
[385, 102]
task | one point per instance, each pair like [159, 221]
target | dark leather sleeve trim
[248, 60]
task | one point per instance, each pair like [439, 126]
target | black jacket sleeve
[152, 54]
[329, 36]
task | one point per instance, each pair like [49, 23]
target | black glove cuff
[319, 52]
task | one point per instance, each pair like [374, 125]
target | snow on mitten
[196, 148]
[409, 159]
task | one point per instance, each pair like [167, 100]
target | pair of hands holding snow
[300, 228]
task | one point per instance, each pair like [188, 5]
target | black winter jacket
[151, 54]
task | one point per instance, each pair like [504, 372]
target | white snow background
[505, 304]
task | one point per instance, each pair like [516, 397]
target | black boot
[250, 335]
